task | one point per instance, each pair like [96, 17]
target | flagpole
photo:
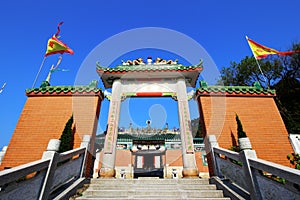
[37, 75]
[258, 64]
[262, 72]
[49, 74]
[2, 88]
[52, 69]
[58, 62]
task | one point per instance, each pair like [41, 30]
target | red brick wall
[260, 119]
[123, 158]
[174, 157]
[44, 118]
[199, 163]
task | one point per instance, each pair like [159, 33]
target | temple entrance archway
[159, 79]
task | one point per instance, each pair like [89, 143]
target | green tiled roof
[256, 89]
[198, 140]
[149, 71]
[47, 89]
[127, 137]
[166, 137]
[144, 68]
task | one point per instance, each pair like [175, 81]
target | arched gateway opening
[159, 79]
[147, 127]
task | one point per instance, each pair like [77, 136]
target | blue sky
[219, 26]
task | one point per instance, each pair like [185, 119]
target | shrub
[66, 137]
[294, 159]
[241, 133]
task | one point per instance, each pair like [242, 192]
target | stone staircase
[154, 189]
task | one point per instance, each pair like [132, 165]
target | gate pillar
[188, 155]
[109, 155]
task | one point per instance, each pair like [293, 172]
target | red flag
[57, 46]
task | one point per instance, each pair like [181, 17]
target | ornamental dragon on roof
[157, 69]
[158, 61]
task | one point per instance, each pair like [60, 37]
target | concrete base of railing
[190, 173]
[71, 190]
[107, 173]
[230, 189]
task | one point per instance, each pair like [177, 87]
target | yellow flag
[260, 51]
[56, 46]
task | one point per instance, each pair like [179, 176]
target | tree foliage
[294, 159]
[282, 73]
[247, 72]
[196, 128]
[67, 137]
[287, 99]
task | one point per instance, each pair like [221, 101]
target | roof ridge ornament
[200, 64]
[257, 85]
[158, 70]
[158, 61]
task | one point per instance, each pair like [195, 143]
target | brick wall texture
[260, 118]
[44, 118]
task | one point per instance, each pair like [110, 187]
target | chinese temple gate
[157, 79]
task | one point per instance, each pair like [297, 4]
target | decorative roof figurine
[149, 60]
[138, 61]
[159, 69]
[160, 61]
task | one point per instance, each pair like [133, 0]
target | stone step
[150, 181]
[146, 198]
[155, 193]
[153, 187]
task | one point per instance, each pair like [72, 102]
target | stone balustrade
[55, 176]
[253, 177]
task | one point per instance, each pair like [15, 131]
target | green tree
[292, 63]
[240, 131]
[287, 99]
[281, 73]
[247, 72]
[67, 137]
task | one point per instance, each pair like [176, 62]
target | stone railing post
[210, 143]
[52, 148]
[50, 153]
[86, 141]
[87, 160]
[244, 156]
